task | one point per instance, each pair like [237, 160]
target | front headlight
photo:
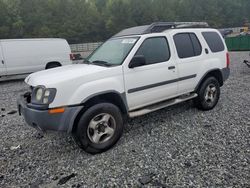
[42, 95]
[39, 94]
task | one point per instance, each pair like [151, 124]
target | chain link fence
[85, 47]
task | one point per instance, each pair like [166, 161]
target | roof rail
[159, 27]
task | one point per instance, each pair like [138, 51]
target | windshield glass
[113, 51]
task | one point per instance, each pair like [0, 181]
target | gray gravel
[176, 147]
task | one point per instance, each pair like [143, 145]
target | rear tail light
[72, 56]
[228, 60]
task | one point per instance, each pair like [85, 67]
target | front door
[155, 81]
[3, 70]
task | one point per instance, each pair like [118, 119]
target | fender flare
[82, 106]
[206, 74]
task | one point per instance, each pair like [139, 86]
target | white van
[20, 57]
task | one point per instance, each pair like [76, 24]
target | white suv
[137, 71]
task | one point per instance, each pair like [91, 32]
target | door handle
[2, 61]
[171, 67]
[206, 51]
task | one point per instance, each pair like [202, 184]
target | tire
[99, 128]
[208, 94]
[52, 65]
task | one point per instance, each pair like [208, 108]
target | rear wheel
[99, 128]
[208, 94]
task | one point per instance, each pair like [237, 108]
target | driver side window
[155, 50]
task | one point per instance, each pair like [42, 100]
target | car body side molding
[161, 83]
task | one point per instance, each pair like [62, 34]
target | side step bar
[161, 105]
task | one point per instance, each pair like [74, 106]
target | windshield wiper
[101, 63]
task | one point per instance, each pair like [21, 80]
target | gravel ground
[176, 147]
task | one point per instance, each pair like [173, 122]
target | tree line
[96, 20]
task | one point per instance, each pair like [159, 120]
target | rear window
[187, 45]
[214, 41]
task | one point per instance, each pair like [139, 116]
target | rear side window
[196, 44]
[214, 41]
[155, 50]
[187, 45]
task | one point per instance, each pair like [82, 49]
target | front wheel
[99, 128]
[208, 94]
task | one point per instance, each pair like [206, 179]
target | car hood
[64, 73]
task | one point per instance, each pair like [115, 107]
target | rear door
[190, 57]
[20, 56]
[3, 70]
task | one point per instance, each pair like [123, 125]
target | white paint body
[25, 56]
[75, 83]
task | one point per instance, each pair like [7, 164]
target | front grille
[31, 89]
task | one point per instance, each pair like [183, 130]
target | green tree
[97, 20]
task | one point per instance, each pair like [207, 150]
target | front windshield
[113, 51]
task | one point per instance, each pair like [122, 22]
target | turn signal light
[57, 111]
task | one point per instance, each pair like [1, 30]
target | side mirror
[137, 61]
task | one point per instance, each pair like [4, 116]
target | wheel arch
[114, 97]
[215, 73]
[53, 63]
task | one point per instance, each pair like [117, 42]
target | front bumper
[43, 120]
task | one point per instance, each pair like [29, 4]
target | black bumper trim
[42, 120]
[225, 73]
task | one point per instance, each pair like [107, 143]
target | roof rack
[159, 27]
